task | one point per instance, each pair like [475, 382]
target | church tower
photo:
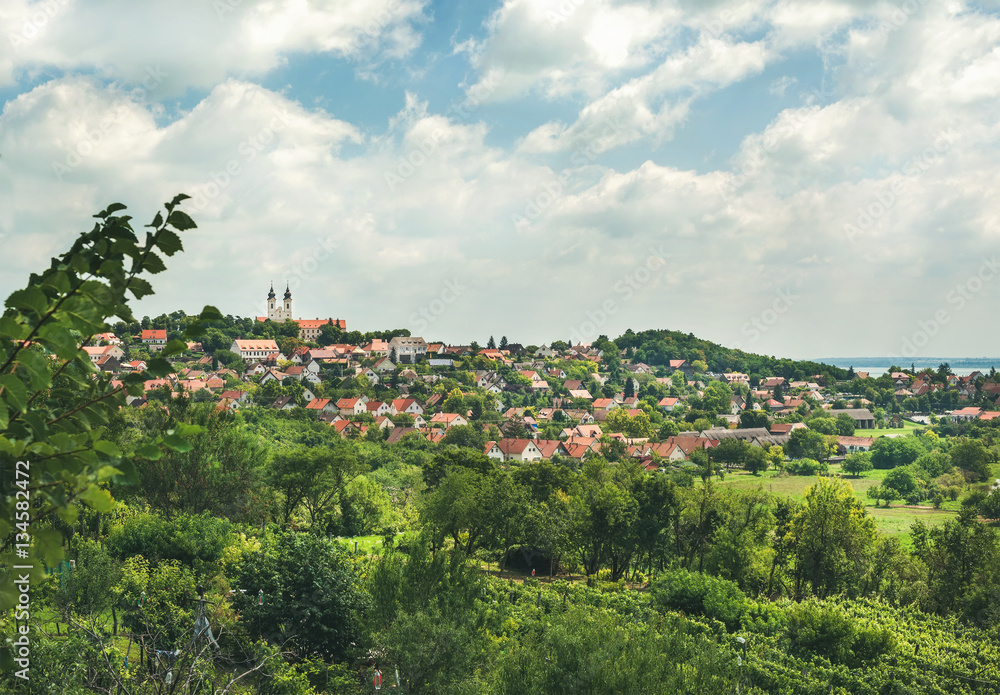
[288, 303]
[270, 304]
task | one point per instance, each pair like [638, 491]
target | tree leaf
[169, 242]
[177, 443]
[150, 452]
[180, 221]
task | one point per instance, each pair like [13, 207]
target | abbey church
[309, 329]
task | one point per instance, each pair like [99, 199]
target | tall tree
[832, 535]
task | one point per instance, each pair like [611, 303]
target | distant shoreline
[876, 366]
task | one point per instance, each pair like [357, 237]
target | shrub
[701, 594]
[807, 466]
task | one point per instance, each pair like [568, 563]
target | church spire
[288, 292]
[270, 295]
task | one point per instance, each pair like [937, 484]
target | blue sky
[794, 178]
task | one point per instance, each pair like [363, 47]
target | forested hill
[658, 347]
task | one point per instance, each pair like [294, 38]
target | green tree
[845, 425]
[857, 463]
[904, 483]
[718, 398]
[807, 443]
[832, 534]
[54, 410]
[218, 471]
[312, 594]
[889, 452]
[972, 457]
[754, 418]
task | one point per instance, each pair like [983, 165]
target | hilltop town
[539, 402]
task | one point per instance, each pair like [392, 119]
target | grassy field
[906, 430]
[894, 520]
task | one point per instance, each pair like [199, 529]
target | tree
[218, 471]
[972, 457]
[832, 534]
[857, 463]
[312, 594]
[466, 436]
[845, 425]
[491, 344]
[807, 443]
[230, 360]
[904, 483]
[54, 410]
[754, 418]
[756, 460]
[889, 452]
[718, 398]
[503, 342]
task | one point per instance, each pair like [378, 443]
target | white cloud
[199, 43]
[653, 105]
[369, 222]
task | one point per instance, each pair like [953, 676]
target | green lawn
[894, 520]
[906, 430]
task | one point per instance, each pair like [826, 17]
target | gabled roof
[155, 334]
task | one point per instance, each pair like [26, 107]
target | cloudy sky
[797, 178]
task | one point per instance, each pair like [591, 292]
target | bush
[195, 541]
[807, 467]
[816, 627]
[701, 594]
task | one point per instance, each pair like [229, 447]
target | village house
[154, 339]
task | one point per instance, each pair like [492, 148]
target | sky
[799, 179]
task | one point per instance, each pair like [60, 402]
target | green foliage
[197, 542]
[806, 466]
[89, 588]
[218, 470]
[857, 463]
[904, 483]
[816, 627]
[972, 457]
[806, 443]
[311, 591]
[754, 418]
[700, 594]
[167, 610]
[54, 409]
[889, 452]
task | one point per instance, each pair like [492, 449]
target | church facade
[279, 313]
[309, 329]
